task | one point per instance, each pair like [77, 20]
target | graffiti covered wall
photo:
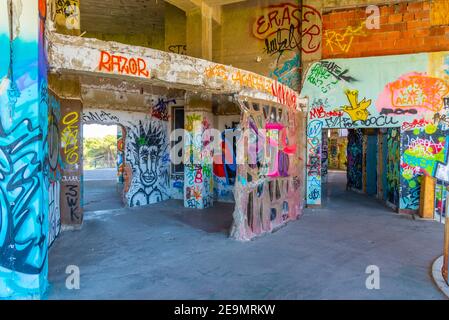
[269, 185]
[146, 150]
[403, 92]
[24, 186]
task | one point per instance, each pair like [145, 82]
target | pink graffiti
[416, 123]
[414, 91]
[280, 162]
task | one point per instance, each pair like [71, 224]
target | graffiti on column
[392, 166]
[423, 150]
[314, 135]
[199, 167]
[285, 29]
[279, 27]
[23, 130]
[70, 137]
[120, 154]
[324, 155]
[355, 159]
[53, 167]
[71, 196]
[68, 13]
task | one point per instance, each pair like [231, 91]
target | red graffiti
[122, 65]
[320, 113]
[279, 19]
[415, 124]
[284, 95]
[311, 30]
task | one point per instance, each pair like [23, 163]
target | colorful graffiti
[393, 166]
[24, 199]
[357, 110]
[410, 98]
[414, 91]
[53, 167]
[121, 137]
[267, 185]
[355, 159]
[225, 170]
[288, 74]
[161, 109]
[199, 162]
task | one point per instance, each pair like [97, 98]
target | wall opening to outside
[103, 167]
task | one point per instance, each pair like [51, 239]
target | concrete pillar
[198, 179]
[427, 199]
[199, 32]
[314, 142]
[24, 184]
[70, 128]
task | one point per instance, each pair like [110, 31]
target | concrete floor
[101, 191]
[164, 251]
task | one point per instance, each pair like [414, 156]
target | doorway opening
[103, 167]
[363, 161]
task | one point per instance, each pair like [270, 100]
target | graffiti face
[146, 146]
[148, 160]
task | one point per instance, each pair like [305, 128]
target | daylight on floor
[224, 150]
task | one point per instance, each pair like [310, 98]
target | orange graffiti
[122, 65]
[418, 91]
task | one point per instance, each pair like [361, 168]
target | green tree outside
[100, 152]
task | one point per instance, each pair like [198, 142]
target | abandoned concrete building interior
[261, 102]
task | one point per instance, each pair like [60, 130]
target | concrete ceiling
[122, 16]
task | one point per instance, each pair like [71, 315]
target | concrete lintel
[77, 55]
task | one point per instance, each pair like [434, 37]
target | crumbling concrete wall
[270, 184]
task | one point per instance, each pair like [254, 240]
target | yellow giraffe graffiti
[356, 110]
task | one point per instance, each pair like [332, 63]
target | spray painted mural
[146, 148]
[269, 168]
[355, 159]
[23, 128]
[403, 92]
[199, 192]
[53, 167]
[286, 30]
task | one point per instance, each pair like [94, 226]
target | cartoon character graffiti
[146, 149]
[357, 110]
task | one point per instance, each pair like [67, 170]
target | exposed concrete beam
[82, 56]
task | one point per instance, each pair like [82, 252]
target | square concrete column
[198, 155]
[24, 181]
